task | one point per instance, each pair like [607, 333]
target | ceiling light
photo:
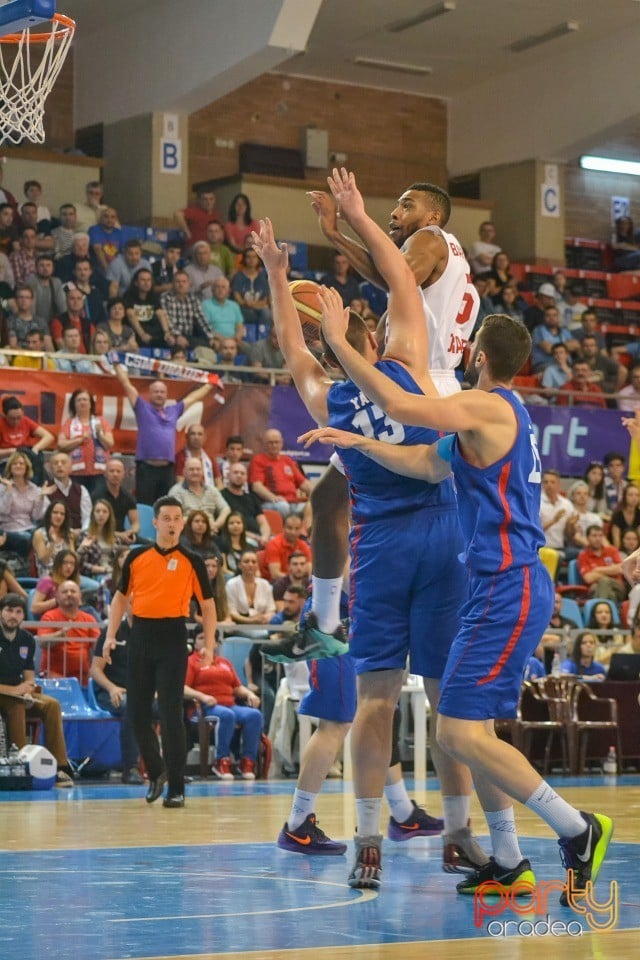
[392, 65]
[609, 165]
[437, 10]
[536, 40]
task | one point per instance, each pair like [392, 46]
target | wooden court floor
[96, 874]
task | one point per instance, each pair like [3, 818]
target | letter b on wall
[170, 156]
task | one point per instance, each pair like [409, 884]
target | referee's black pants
[157, 662]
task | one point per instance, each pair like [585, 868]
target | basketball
[305, 296]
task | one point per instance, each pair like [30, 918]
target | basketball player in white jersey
[451, 305]
[450, 300]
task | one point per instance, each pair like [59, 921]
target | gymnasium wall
[593, 218]
[58, 117]
[389, 138]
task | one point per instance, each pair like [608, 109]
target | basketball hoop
[30, 62]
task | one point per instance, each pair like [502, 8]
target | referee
[159, 580]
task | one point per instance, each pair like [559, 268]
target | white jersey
[450, 306]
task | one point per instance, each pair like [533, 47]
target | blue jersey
[377, 493]
[499, 506]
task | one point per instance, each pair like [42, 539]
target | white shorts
[446, 383]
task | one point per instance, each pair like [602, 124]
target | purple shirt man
[156, 445]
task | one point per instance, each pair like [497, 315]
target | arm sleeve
[125, 579]
[298, 475]
[201, 586]
[256, 472]
[235, 679]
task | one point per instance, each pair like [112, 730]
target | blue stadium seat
[145, 515]
[68, 692]
[573, 574]
[93, 703]
[92, 738]
[571, 609]
[236, 649]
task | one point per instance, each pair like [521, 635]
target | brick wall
[391, 139]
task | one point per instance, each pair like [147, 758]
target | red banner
[45, 397]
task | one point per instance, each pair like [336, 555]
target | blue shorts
[332, 693]
[501, 624]
[407, 587]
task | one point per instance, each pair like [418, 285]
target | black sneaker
[492, 871]
[582, 856]
[367, 870]
[307, 643]
[310, 839]
[419, 824]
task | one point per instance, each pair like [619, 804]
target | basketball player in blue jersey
[332, 700]
[450, 303]
[494, 459]
[407, 605]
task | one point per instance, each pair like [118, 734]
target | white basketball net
[28, 71]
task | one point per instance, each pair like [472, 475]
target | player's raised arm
[309, 377]
[423, 461]
[407, 332]
[462, 412]
[325, 206]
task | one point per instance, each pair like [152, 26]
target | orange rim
[66, 23]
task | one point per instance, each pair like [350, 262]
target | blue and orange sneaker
[309, 839]
[418, 824]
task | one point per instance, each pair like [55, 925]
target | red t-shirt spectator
[198, 220]
[278, 550]
[282, 475]
[584, 395]
[218, 680]
[86, 329]
[589, 560]
[68, 659]
[21, 435]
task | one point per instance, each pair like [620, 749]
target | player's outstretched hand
[325, 207]
[335, 316]
[273, 255]
[631, 567]
[632, 424]
[337, 438]
[346, 194]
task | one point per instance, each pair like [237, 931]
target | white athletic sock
[368, 813]
[456, 812]
[504, 839]
[399, 801]
[325, 602]
[560, 815]
[301, 806]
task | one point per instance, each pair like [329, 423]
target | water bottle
[16, 767]
[556, 665]
[610, 765]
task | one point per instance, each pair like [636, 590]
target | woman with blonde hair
[22, 504]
